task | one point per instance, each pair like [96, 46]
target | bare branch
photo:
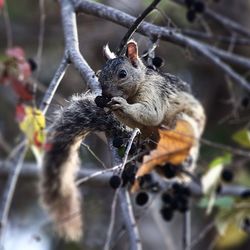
[72, 46]
[136, 25]
[163, 33]
[186, 237]
[129, 220]
[7, 25]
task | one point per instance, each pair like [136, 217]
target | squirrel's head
[122, 76]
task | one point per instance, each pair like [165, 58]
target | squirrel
[139, 97]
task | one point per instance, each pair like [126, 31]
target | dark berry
[245, 102]
[169, 170]
[177, 187]
[141, 198]
[117, 142]
[227, 175]
[167, 198]
[145, 179]
[157, 62]
[133, 148]
[245, 194]
[115, 181]
[101, 101]
[128, 174]
[186, 191]
[199, 6]
[32, 63]
[191, 15]
[167, 213]
[182, 204]
[189, 3]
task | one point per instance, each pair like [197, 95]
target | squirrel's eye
[122, 74]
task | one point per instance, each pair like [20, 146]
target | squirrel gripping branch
[140, 97]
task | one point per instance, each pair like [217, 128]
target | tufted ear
[108, 54]
[132, 52]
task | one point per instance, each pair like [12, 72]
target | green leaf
[225, 202]
[242, 137]
[221, 160]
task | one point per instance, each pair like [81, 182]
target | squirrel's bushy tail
[58, 189]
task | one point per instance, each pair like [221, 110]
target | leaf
[221, 160]
[33, 125]
[242, 137]
[173, 147]
[16, 52]
[21, 89]
[1, 4]
[225, 202]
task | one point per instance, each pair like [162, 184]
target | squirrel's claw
[117, 103]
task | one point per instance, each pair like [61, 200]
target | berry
[169, 170]
[191, 15]
[141, 198]
[177, 187]
[117, 142]
[181, 204]
[245, 194]
[101, 101]
[199, 6]
[157, 62]
[186, 191]
[128, 174]
[218, 189]
[32, 63]
[245, 102]
[115, 181]
[147, 178]
[189, 3]
[167, 198]
[227, 175]
[167, 213]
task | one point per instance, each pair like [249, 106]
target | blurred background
[226, 104]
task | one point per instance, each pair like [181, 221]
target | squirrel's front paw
[117, 103]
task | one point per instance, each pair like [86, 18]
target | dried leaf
[173, 147]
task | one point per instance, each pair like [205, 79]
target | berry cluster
[127, 176]
[194, 7]
[176, 199]
[102, 101]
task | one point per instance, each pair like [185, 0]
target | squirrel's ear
[107, 53]
[132, 52]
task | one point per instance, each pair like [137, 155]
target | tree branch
[163, 33]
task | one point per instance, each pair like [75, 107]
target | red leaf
[16, 52]
[37, 142]
[1, 4]
[21, 90]
[20, 112]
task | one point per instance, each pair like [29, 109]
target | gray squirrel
[139, 97]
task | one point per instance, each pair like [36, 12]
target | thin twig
[135, 26]
[112, 222]
[94, 155]
[125, 158]
[41, 36]
[7, 24]
[198, 238]
[186, 234]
